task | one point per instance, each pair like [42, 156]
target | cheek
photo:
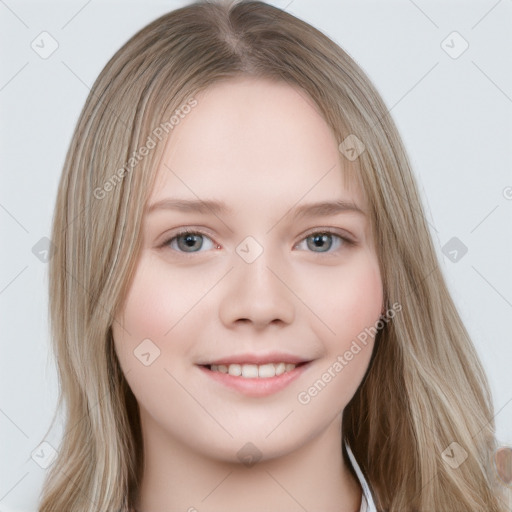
[352, 307]
[153, 310]
[361, 297]
[151, 338]
[350, 298]
[146, 307]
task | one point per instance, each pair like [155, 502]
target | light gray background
[454, 114]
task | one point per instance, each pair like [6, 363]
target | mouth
[254, 380]
[254, 371]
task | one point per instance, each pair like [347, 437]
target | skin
[263, 149]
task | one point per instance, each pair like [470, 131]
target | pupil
[189, 242]
[322, 241]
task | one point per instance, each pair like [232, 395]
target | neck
[312, 477]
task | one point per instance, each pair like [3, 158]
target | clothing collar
[367, 503]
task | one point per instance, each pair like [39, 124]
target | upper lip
[259, 359]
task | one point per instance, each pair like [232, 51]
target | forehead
[253, 141]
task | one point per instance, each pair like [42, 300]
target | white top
[367, 503]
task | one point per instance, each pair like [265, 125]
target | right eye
[189, 241]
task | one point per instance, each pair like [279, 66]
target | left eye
[190, 242]
[322, 241]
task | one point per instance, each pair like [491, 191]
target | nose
[257, 293]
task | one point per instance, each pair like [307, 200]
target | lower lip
[256, 387]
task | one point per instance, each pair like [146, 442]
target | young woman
[247, 309]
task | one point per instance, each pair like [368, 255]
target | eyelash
[327, 231]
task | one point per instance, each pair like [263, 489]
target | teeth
[235, 369]
[267, 370]
[250, 371]
[253, 371]
[280, 368]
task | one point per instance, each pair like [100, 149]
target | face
[261, 277]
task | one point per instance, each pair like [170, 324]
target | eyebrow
[320, 209]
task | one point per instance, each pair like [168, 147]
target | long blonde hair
[425, 387]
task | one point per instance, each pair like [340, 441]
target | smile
[253, 371]
[255, 380]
